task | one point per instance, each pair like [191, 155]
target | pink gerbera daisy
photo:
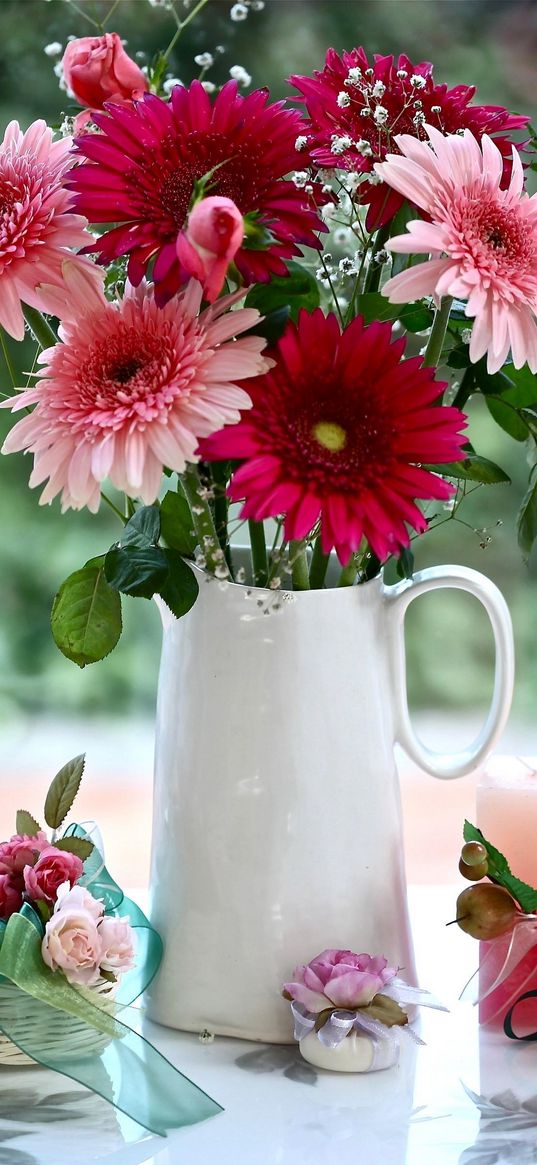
[37, 227]
[131, 388]
[484, 240]
[337, 432]
[356, 107]
[143, 166]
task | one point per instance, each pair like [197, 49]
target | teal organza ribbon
[77, 1032]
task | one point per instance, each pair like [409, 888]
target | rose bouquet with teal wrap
[75, 953]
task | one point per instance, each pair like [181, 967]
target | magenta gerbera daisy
[141, 171]
[356, 107]
[338, 432]
[131, 388]
[483, 240]
[37, 226]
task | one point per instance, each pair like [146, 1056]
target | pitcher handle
[398, 599]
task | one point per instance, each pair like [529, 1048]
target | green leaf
[136, 570]
[415, 317]
[474, 468]
[81, 846]
[405, 563]
[499, 871]
[180, 590]
[527, 521]
[26, 824]
[458, 357]
[86, 615]
[374, 306]
[143, 529]
[272, 325]
[296, 290]
[63, 791]
[507, 417]
[521, 386]
[176, 525]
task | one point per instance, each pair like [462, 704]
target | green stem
[181, 25]
[110, 12]
[373, 275]
[319, 565]
[7, 358]
[110, 503]
[433, 350]
[42, 332]
[465, 389]
[202, 518]
[299, 563]
[259, 552]
[96, 23]
[221, 510]
[348, 574]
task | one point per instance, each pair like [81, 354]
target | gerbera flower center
[496, 237]
[331, 435]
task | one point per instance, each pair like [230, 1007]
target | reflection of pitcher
[277, 819]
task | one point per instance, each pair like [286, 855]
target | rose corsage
[349, 1010]
[75, 953]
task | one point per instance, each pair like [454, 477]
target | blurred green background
[489, 43]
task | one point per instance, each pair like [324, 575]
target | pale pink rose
[213, 234]
[97, 69]
[72, 944]
[117, 942]
[10, 895]
[78, 898]
[339, 979]
[53, 867]
[21, 851]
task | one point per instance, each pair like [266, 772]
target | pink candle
[507, 811]
[507, 816]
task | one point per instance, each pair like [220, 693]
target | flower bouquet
[282, 305]
[74, 954]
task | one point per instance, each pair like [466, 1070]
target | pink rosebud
[78, 898]
[21, 851]
[97, 69]
[54, 867]
[71, 944]
[117, 942]
[339, 979]
[212, 236]
[10, 895]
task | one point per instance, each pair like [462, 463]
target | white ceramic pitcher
[277, 821]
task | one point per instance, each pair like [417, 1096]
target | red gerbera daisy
[142, 168]
[338, 430]
[356, 108]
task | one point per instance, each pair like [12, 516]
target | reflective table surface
[468, 1097]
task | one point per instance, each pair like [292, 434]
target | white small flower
[354, 76]
[300, 177]
[339, 144]
[169, 84]
[209, 86]
[417, 81]
[466, 335]
[378, 90]
[343, 99]
[239, 12]
[380, 115]
[239, 74]
[301, 142]
[257, 5]
[402, 73]
[54, 49]
[341, 237]
[328, 211]
[204, 60]
[67, 126]
[352, 181]
[436, 108]
[220, 48]
[419, 119]
[373, 179]
[346, 266]
[363, 148]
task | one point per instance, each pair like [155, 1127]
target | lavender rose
[339, 979]
[53, 868]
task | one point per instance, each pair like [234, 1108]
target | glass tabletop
[466, 1097]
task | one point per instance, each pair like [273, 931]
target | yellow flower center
[330, 435]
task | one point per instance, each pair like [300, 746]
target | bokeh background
[49, 709]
